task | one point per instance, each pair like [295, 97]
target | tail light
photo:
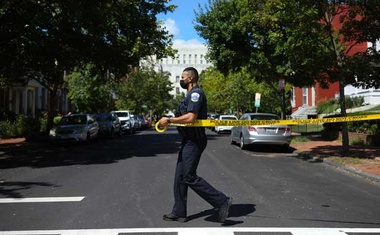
[288, 130]
[252, 128]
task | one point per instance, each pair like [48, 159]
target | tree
[41, 39]
[346, 64]
[218, 94]
[256, 35]
[293, 40]
[89, 91]
[236, 92]
[145, 87]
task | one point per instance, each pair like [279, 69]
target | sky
[180, 23]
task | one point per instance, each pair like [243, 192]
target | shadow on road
[103, 151]
[236, 210]
[10, 188]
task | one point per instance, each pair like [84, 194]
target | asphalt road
[127, 183]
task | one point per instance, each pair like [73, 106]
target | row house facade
[32, 99]
[305, 99]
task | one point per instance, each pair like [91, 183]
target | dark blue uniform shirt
[196, 102]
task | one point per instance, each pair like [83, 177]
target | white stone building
[188, 55]
[371, 96]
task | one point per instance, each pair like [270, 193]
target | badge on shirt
[195, 97]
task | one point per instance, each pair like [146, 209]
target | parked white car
[75, 128]
[219, 129]
[125, 117]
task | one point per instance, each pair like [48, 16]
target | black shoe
[224, 209]
[173, 217]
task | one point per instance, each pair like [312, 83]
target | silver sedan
[75, 128]
[270, 135]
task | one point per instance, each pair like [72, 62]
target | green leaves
[145, 87]
[89, 91]
[44, 38]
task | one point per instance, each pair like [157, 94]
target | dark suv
[109, 124]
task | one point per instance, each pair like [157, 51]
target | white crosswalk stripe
[41, 199]
[201, 231]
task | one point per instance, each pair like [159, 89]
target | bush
[43, 124]
[352, 102]
[6, 129]
[369, 127]
[56, 120]
[22, 126]
[327, 106]
[358, 141]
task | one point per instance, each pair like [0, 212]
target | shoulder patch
[195, 96]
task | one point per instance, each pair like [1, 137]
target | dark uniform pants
[186, 176]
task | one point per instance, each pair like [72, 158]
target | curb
[312, 159]
[367, 176]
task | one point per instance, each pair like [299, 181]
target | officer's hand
[163, 122]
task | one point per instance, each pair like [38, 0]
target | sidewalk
[364, 161]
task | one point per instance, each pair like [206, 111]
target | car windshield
[228, 118]
[265, 117]
[122, 114]
[73, 120]
[102, 117]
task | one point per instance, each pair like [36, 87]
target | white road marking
[200, 231]
[41, 199]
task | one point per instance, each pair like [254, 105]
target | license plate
[270, 130]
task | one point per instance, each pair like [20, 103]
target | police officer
[194, 141]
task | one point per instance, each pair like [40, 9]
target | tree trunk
[52, 113]
[345, 140]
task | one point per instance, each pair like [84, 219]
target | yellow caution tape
[212, 123]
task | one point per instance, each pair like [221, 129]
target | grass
[376, 108]
[353, 160]
[300, 139]
[358, 142]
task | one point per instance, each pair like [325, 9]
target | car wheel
[112, 134]
[242, 145]
[232, 141]
[88, 136]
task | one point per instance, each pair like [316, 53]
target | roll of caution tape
[158, 129]
[212, 123]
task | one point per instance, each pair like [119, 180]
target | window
[304, 96]
[293, 98]
[177, 78]
[43, 98]
[201, 60]
[184, 58]
[177, 90]
[189, 58]
[195, 58]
